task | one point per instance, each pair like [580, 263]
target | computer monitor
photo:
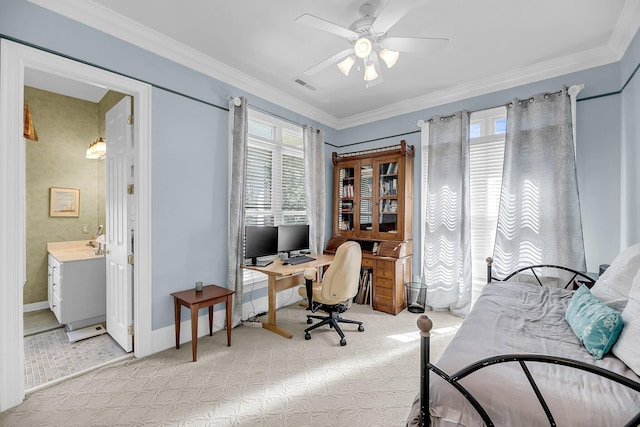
[293, 237]
[260, 241]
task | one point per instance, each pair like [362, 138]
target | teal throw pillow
[596, 325]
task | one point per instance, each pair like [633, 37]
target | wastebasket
[416, 296]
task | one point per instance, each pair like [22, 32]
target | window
[486, 139]
[486, 146]
[274, 182]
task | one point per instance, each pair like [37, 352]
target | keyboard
[299, 260]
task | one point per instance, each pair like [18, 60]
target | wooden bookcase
[373, 205]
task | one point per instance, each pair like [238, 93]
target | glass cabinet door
[346, 198]
[388, 206]
[366, 198]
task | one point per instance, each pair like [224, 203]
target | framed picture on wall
[64, 202]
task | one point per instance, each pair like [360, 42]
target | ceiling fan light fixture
[346, 64]
[370, 72]
[390, 57]
[363, 47]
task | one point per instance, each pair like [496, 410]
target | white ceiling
[62, 85]
[257, 46]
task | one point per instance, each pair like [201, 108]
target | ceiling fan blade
[392, 12]
[321, 24]
[328, 62]
[432, 46]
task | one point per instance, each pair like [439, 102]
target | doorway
[68, 115]
[14, 59]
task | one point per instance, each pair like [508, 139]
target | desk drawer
[385, 269]
[381, 283]
[383, 292]
[367, 263]
[383, 304]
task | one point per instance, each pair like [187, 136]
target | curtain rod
[293, 122]
[489, 108]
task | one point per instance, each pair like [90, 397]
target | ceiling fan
[369, 42]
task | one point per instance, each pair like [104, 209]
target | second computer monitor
[293, 237]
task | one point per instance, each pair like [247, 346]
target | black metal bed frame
[577, 278]
[425, 324]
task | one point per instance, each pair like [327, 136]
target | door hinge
[130, 189]
[130, 119]
[130, 329]
[130, 259]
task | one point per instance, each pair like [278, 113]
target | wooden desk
[194, 301]
[284, 277]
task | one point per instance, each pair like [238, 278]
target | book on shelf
[390, 206]
[389, 168]
[347, 190]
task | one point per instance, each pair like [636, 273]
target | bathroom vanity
[76, 284]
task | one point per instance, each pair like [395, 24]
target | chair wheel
[309, 321]
[343, 342]
[360, 328]
[307, 336]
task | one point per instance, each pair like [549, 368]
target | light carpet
[261, 380]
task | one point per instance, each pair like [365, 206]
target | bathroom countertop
[72, 251]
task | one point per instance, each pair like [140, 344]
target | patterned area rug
[263, 379]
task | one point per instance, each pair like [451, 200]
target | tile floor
[49, 355]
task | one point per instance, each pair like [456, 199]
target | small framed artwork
[64, 202]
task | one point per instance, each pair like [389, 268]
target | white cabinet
[77, 291]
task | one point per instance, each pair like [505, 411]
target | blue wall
[189, 197]
[190, 150]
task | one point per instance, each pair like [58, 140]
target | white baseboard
[35, 306]
[165, 338]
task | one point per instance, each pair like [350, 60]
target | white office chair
[334, 293]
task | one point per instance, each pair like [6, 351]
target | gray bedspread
[523, 318]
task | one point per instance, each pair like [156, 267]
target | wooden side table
[208, 297]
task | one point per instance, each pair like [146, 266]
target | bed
[517, 358]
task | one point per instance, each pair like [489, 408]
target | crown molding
[514, 78]
[107, 21]
[625, 29]
[103, 19]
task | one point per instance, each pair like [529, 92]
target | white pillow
[612, 288]
[627, 348]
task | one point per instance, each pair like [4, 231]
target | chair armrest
[310, 273]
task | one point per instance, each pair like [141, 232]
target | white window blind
[274, 181]
[486, 157]
[259, 208]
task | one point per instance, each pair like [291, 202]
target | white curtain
[238, 165]
[539, 219]
[447, 248]
[314, 168]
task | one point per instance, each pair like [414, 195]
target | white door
[119, 223]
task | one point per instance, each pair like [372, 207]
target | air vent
[305, 84]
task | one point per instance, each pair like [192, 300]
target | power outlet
[85, 228]
[253, 324]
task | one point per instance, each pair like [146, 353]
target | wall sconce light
[97, 150]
